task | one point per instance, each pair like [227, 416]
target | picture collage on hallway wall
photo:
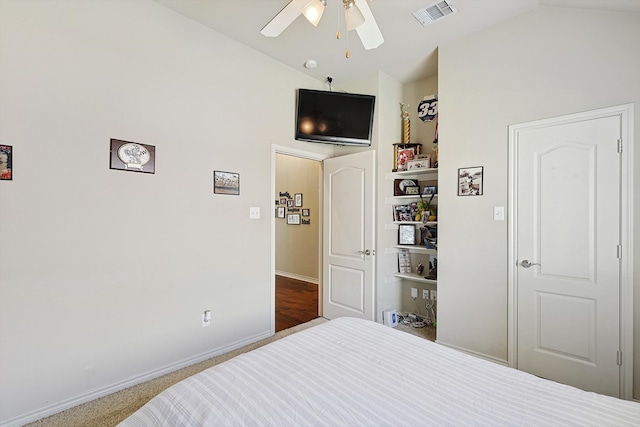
[292, 209]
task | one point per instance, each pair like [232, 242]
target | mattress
[352, 372]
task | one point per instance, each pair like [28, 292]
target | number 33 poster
[428, 108]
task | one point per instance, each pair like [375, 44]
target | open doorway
[297, 232]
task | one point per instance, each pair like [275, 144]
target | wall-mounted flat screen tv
[334, 117]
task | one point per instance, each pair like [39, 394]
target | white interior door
[349, 236]
[567, 251]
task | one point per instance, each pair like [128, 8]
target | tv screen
[334, 117]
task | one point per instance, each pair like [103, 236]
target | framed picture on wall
[470, 181]
[305, 212]
[6, 162]
[132, 156]
[226, 183]
[298, 199]
[293, 219]
[280, 212]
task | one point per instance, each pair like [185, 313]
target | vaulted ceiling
[409, 51]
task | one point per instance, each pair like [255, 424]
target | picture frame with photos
[226, 183]
[293, 219]
[406, 234]
[470, 181]
[132, 156]
[6, 162]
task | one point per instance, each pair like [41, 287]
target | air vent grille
[436, 11]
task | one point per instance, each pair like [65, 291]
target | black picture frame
[470, 181]
[280, 212]
[298, 199]
[429, 190]
[305, 212]
[6, 162]
[406, 234]
[399, 185]
[226, 183]
[293, 219]
[132, 156]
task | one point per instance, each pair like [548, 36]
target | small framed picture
[412, 190]
[132, 156]
[280, 212]
[293, 219]
[404, 261]
[406, 234]
[290, 203]
[429, 189]
[6, 162]
[283, 200]
[226, 183]
[399, 186]
[298, 199]
[305, 212]
[418, 164]
[470, 181]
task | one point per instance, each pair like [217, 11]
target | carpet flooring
[110, 410]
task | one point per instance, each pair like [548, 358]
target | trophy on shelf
[404, 151]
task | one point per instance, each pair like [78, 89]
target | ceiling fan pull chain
[347, 54]
[338, 35]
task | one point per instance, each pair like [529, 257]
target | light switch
[498, 213]
[254, 213]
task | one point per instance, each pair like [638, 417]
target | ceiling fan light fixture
[314, 10]
[353, 16]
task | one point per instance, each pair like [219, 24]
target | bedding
[352, 372]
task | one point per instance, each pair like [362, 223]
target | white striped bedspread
[351, 372]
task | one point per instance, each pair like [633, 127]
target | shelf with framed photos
[416, 261]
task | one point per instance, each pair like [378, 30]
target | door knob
[527, 264]
[365, 252]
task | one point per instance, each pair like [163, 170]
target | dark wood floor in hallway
[296, 302]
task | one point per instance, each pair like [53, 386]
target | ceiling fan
[358, 16]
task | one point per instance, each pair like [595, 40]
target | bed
[352, 372]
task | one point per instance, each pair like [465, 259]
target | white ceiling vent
[436, 11]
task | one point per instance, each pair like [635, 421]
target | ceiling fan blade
[368, 32]
[284, 18]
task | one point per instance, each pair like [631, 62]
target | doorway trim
[625, 112]
[289, 151]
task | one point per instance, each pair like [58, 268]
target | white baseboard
[474, 353]
[297, 277]
[138, 379]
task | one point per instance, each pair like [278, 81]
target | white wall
[549, 62]
[104, 274]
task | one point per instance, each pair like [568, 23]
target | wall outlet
[414, 292]
[206, 318]
[425, 294]
[434, 295]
